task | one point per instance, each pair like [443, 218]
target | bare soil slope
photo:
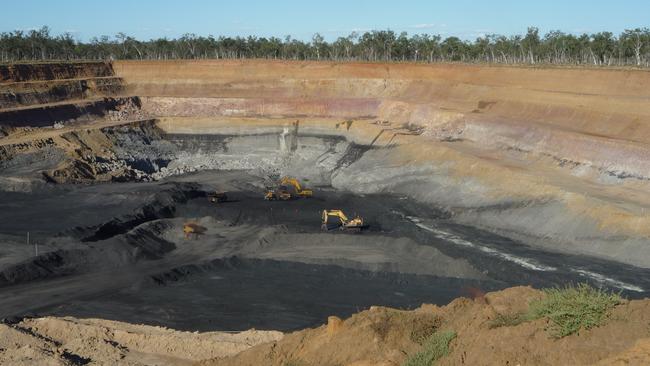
[378, 336]
[70, 341]
[383, 336]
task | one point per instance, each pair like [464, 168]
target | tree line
[631, 47]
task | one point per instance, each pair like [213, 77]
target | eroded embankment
[482, 331]
[486, 329]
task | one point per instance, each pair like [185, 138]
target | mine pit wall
[122, 152]
[21, 72]
[43, 94]
[314, 157]
[15, 94]
[555, 157]
[48, 115]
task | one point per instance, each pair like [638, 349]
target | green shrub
[434, 347]
[574, 307]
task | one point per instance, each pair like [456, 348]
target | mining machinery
[217, 197]
[293, 182]
[282, 193]
[336, 219]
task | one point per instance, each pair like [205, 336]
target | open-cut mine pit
[468, 178]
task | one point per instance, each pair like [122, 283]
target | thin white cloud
[27, 29]
[423, 26]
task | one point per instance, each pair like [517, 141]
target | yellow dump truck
[192, 230]
[217, 197]
[277, 195]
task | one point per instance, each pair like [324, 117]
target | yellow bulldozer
[336, 219]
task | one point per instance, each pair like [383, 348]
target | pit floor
[268, 265]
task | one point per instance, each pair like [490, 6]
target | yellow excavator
[289, 181]
[283, 194]
[333, 219]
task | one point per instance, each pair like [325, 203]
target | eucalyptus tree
[631, 47]
[635, 43]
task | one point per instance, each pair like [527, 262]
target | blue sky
[145, 19]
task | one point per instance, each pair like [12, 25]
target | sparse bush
[508, 320]
[574, 307]
[434, 347]
[423, 328]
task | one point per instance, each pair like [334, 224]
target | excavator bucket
[331, 225]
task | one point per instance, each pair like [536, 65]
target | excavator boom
[291, 181]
